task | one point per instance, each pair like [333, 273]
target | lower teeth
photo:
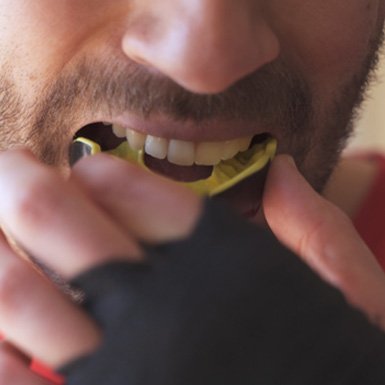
[224, 175]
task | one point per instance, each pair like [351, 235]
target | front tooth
[181, 153]
[208, 153]
[156, 147]
[135, 139]
[230, 149]
[119, 131]
[244, 143]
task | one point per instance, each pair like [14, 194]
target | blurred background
[370, 129]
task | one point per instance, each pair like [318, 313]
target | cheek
[38, 38]
[333, 40]
[35, 27]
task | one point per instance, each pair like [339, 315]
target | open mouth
[209, 168]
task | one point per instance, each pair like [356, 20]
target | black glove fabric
[228, 306]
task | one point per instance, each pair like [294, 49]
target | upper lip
[204, 131]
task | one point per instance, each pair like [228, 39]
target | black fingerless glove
[227, 306]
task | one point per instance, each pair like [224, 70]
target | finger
[54, 220]
[323, 236]
[39, 320]
[151, 207]
[13, 370]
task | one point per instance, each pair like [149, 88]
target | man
[174, 74]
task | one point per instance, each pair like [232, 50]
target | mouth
[210, 168]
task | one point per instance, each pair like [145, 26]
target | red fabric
[43, 371]
[370, 220]
[47, 373]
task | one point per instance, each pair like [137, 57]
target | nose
[203, 45]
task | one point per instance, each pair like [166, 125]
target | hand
[72, 226]
[324, 237]
[75, 225]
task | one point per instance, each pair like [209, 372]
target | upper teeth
[180, 152]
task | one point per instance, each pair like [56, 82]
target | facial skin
[190, 69]
[197, 70]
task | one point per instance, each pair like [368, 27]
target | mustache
[272, 96]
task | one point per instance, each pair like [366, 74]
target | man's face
[187, 72]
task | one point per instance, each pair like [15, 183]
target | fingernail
[285, 165]
[285, 177]
[289, 159]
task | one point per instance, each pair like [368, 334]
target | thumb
[323, 236]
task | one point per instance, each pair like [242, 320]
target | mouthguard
[224, 176]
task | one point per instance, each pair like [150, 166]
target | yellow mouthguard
[225, 175]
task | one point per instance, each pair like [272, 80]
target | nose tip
[203, 52]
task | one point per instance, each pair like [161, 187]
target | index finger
[152, 208]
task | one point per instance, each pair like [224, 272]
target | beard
[275, 97]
